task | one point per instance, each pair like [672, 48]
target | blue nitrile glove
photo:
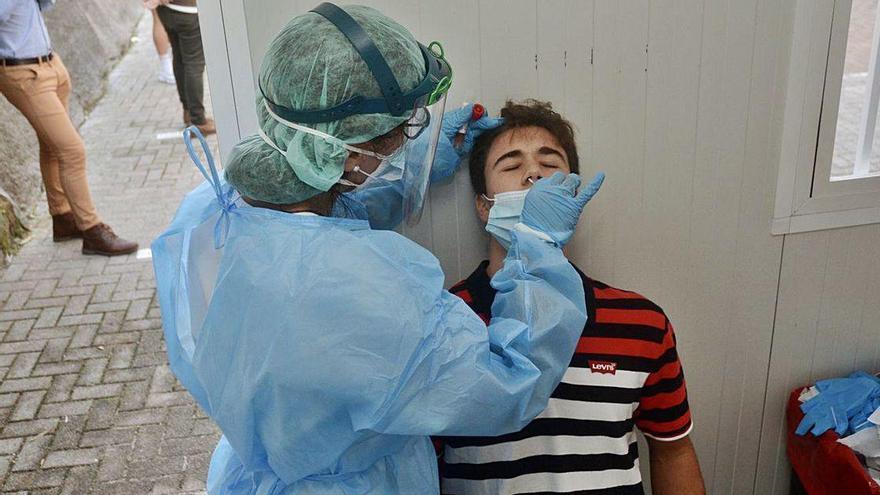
[859, 421]
[553, 205]
[839, 400]
[448, 155]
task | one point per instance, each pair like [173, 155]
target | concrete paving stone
[54, 350]
[48, 317]
[103, 413]
[10, 445]
[30, 480]
[62, 387]
[20, 314]
[31, 453]
[76, 305]
[22, 384]
[74, 457]
[112, 322]
[79, 480]
[51, 333]
[83, 336]
[68, 433]
[23, 365]
[112, 436]
[23, 346]
[134, 396]
[86, 353]
[128, 375]
[82, 319]
[76, 290]
[30, 428]
[122, 357]
[93, 370]
[56, 369]
[113, 463]
[44, 288]
[97, 391]
[17, 300]
[118, 339]
[45, 302]
[141, 417]
[65, 409]
[28, 405]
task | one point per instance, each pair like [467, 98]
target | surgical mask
[390, 168]
[504, 214]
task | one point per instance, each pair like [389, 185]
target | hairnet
[311, 65]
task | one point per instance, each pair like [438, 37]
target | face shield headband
[394, 101]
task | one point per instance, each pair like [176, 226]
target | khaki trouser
[41, 92]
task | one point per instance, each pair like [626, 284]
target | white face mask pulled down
[504, 215]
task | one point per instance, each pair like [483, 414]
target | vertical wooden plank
[659, 258]
[757, 259]
[550, 52]
[577, 90]
[840, 310]
[797, 314]
[456, 25]
[605, 150]
[508, 40]
[214, 37]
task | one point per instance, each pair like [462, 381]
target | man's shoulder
[625, 302]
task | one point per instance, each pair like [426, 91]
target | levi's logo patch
[603, 367]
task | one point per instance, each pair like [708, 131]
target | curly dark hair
[528, 113]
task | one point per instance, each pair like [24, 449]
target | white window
[830, 157]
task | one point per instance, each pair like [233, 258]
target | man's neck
[497, 253]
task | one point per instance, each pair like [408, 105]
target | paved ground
[87, 402]
[852, 97]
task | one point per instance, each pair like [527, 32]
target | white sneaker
[166, 78]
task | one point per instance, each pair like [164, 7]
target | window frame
[806, 199]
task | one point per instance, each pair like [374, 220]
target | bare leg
[160, 37]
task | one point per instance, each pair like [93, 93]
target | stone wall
[90, 36]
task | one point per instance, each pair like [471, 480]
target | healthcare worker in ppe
[325, 348]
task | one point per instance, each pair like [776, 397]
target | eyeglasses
[417, 123]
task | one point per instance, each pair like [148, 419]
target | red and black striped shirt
[625, 374]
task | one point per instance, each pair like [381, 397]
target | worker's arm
[674, 468]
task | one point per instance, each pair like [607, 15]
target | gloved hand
[839, 400]
[553, 205]
[448, 155]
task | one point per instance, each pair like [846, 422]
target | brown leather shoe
[186, 119]
[64, 228]
[101, 239]
[207, 128]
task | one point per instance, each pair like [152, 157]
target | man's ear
[483, 207]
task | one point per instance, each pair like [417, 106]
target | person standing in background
[181, 21]
[35, 81]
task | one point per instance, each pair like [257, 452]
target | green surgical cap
[311, 65]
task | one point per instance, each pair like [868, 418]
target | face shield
[420, 108]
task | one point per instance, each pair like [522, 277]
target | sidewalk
[87, 401]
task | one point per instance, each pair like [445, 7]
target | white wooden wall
[680, 103]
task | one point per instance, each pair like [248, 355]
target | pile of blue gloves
[842, 404]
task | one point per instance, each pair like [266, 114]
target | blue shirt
[23, 32]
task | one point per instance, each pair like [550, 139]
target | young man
[624, 374]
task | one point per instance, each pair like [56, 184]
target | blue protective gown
[327, 352]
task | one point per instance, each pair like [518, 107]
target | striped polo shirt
[625, 374]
